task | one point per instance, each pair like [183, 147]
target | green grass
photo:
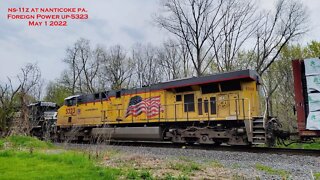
[144, 174]
[216, 164]
[169, 176]
[25, 142]
[284, 174]
[185, 167]
[313, 145]
[316, 176]
[64, 165]
[29, 158]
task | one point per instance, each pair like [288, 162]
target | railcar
[42, 118]
[212, 109]
[306, 75]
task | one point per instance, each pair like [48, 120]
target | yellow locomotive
[210, 109]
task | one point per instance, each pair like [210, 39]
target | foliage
[57, 93]
[1, 143]
[317, 176]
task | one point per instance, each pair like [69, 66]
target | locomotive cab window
[70, 102]
[188, 102]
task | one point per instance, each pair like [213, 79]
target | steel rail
[248, 149]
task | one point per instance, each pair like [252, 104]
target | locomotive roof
[177, 83]
[218, 77]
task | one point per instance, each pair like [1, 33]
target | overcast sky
[110, 22]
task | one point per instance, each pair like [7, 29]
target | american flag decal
[151, 106]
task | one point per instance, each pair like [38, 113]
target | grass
[45, 162]
[313, 145]
[169, 176]
[144, 174]
[316, 176]
[284, 174]
[25, 142]
[216, 164]
[185, 167]
[65, 165]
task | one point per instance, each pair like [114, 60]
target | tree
[56, 93]
[312, 50]
[147, 68]
[169, 59]
[116, 68]
[275, 31]
[7, 106]
[29, 79]
[193, 22]
[83, 63]
[237, 26]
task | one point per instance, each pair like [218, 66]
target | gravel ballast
[244, 163]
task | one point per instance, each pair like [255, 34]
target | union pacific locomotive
[213, 109]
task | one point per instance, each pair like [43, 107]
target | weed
[132, 174]
[146, 175]
[238, 177]
[216, 164]
[185, 167]
[169, 176]
[313, 145]
[27, 142]
[183, 177]
[284, 174]
[236, 165]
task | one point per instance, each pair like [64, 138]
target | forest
[204, 37]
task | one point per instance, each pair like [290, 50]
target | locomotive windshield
[71, 101]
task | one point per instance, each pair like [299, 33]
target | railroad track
[287, 151]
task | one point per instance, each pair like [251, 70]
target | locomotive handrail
[240, 111]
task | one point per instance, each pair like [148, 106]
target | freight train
[212, 109]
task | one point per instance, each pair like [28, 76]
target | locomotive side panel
[194, 104]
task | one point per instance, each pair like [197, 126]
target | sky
[110, 22]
